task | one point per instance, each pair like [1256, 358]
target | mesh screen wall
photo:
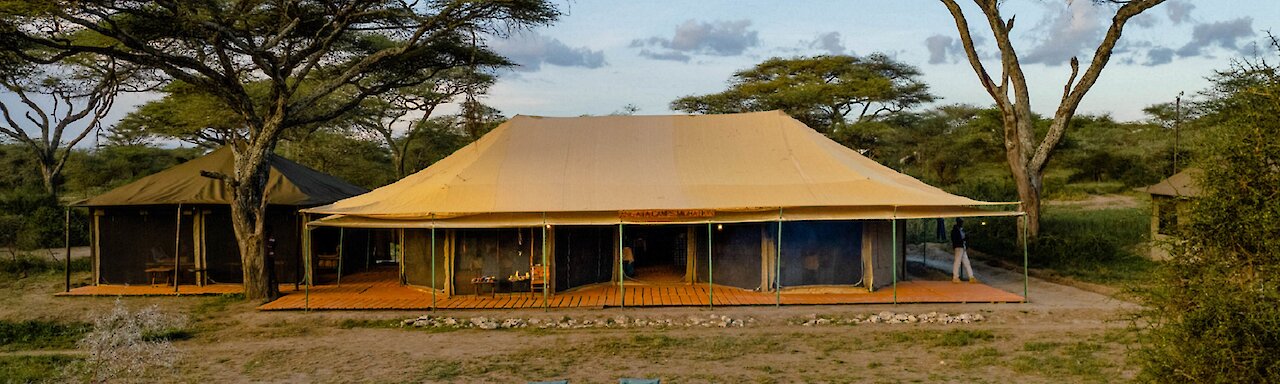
[821, 253]
[584, 255]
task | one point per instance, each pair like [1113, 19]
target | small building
[1170, 205]
[755, 201]
[174, 226]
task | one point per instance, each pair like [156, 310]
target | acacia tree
[824, 92]
[315, 61]
[56, 108]
[1026, 156]
[384, 115]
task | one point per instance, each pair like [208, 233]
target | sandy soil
[1063, 334]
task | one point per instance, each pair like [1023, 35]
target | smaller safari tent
[1170, 201]
[174, 227]
[756, 201]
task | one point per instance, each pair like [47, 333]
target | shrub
[39, 334]
[1098, 246]
[128, 344]
[1214, 313]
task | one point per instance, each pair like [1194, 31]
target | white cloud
[530, 50]
[718, 38]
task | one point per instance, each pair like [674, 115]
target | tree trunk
[248, 217]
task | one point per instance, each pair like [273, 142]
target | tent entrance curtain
[820, 253]
[584, 255]
[418, 260]
[500, 253]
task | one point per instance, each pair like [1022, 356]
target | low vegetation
[1101, 246]
[40, 335]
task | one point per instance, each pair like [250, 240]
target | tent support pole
[434, 284]
[894, 237]
[1025, 275]
[711, 289]
[306, 264]
[177, 248]
[545, 271]
[66, 241]
[622, 272]
[341, 235]
[777, 265]
[400, 255]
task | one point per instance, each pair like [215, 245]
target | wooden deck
[380, 290]
[156, 290]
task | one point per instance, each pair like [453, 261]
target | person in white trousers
[961, 248]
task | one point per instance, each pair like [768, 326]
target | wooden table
[493, 287]
[164, 272]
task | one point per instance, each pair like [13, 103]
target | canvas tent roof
[290, 183]
[586, 170]
[1181, 184]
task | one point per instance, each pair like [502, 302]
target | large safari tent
[756, 201]
[174, 227]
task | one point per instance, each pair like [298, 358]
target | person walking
[961, 247]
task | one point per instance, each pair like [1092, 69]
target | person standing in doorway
[961, 247]
[628, 262]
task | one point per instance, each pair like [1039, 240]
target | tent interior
[135, 246]
[743, 255]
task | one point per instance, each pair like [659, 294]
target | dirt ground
[1063, 335]
[1097, 202]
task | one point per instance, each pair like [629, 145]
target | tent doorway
[661, 252]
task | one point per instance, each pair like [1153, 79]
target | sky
[605, 54]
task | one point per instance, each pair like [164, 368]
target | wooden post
[341, 234]
[177, 248]
[545, 272]
[66, 240]
[894, 255]
[622, 272]
[306, 263]
[1025, 275]
[711, 288]
[777, 265]
[434, 284]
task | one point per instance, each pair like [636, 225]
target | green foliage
[34, 368]
[93, 172]
[40, 334]
[824, 92]
[1097, 246]
[18, 264]
[1214, 313]
[360, 162]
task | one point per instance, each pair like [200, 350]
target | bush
[1098, 246]
[128, 344]
[31, 219]
[26, 263]
[986, 188]
[1213, 315]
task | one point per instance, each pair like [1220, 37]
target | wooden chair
[537, 278]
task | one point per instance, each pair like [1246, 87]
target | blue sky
[603, 55]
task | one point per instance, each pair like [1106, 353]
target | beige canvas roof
[290, 183]
[1181, 184]
[592, 169]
